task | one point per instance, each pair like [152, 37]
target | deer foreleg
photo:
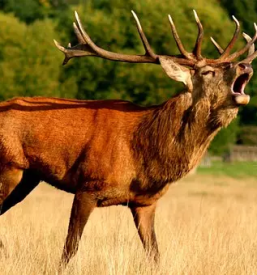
[144, 221]
[82, 207]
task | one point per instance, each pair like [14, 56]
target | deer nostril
[244, 66]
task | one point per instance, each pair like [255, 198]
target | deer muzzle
[244, 72]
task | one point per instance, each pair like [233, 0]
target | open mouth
[238, 87]
[239, 84]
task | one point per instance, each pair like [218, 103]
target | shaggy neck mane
[171, 138]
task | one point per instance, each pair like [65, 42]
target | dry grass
[205, 225]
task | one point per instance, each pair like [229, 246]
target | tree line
[30, 65]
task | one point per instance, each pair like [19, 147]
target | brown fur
[110, 152]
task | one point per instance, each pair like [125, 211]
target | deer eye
[208, 73]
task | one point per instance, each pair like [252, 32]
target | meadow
[205, 224]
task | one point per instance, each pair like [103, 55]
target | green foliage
[25, 10]
[32, 10]
[224, 139]
[248, 135]
[244, 10]
[28, 61]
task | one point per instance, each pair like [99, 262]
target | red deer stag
[114, 152]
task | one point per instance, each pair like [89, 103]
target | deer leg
[9, 178]
[82, 207]
[28, 183]
[144, 221]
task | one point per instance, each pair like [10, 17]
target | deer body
[155, 145]
[114, 152]
[66, 142]
[64, 146]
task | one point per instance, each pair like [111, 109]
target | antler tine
[218, 47]
[65, 51]
[242, 51]
[78, 34]
[232, 41]
[177, 39]
[198, 44]
[76, 51]
[85, 36]
[82, 49]
[251, 52]
[146, 44]
[248, 39]
[250, 58]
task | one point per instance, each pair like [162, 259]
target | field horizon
[204, 224]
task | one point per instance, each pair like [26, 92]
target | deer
[114, 152]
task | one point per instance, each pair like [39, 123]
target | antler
[181, 48]
[197, 50]
[251, 52]
[225, 57]
[198, 44]
[232, 41]
[87, 47]
[246, 37]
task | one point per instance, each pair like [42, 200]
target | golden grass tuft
[204, 225]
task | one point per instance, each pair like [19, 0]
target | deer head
[221, 81]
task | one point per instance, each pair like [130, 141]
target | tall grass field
[205, 224]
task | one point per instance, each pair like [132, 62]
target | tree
[224, 139]
[248, 135]
[28, 61]
[29, 11]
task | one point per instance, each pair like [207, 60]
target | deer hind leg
[144, 221]
[82, 207]
[28, 182]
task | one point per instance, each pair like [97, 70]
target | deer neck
[171, 139]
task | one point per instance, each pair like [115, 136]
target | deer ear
[176, 71]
